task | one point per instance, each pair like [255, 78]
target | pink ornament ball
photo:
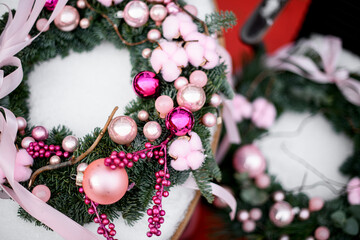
[84, 23]
[26, 142]
[180, 82]
[249, 159]
[262, 181]
[42, 192]
[281, 214]
[191, 9]
[154, 35]
[50, 4]
[82, 167]
[136, 13]
[70, 143]
[198, 78]
[180, 121]
[146, 85]
[215, 100]
[143, 115]
[209, 120]
[41, 23]
[122, 130]
[316, 204]
[158, 12]
[242, 215]
[248, 226]
[164, 104]
[278, 196]
[146, 53]
[104, 185]
[322, 233]
[81, 4]
[152, 130]
[68, 19]
[255, 214]
[21, 123]
[304, 214]
[39, 133]
[192, 97]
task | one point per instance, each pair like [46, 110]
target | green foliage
[54, 42]
[220, 20]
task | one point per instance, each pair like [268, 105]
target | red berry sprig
[41, 150]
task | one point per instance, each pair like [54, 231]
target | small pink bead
[149, 154]
[149, 234]
[149, 212]
[81, 190]
[198, 78]
[42, 192]
[255, 214]
[147, 145]
[121, 154]
[100, 230]
[161, 161]
[157, 201]
[150, 220]
[105, 221]
[91, 210]
[96, 220]
[165, 193]
[242, 215]
[57, 148]
[161, 173]
[157, 187]
[322, 233]
[180, 82]
[41, 23]
[248, 226]
[146, 53]
[162, 213]
[304, 214]
[156, 219]
[156, 211]
[112, 232]
[316, 204]
[158, 12]
[158, 233]
[153, 230]
[103, 216]
[87, 201]
[167, 175]
[262, 181]
[161, 220]
[164, 104]
[111, 226]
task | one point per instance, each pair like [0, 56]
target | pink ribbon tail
[216, 190]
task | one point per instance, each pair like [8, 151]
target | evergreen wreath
[99, 23]
[282, 82]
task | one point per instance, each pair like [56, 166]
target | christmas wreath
[299, 77]
[129, 165]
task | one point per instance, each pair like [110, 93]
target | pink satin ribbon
[12, 40]
[216, 190]
[329, 52]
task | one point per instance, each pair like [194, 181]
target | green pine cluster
[65, 196]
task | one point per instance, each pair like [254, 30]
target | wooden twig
[74, 160]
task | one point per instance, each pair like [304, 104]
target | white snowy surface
[80, 91]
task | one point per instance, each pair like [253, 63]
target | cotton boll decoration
[22, 171]
[178, 25]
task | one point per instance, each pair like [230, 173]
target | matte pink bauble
[255, 214]
[209, 120]
[146, 84]
[70, 143]
[191, 97]
[50, 4]
[316, 204]
[180, 82]
[152, 130]
[136, 13]
[122, 130]
[81, 4]
[279, 196]
[198, 78]
[39, 133]
[143, 115]
[21, 122]
[164, 104]
[68, 19]
[262, 181]
[41, 23]
[249, 226]
[42, 192]
[322, 233]
[215, 100]
[84, 23]
[158, 12]
[242, 215]
[154, 35]
[26, 142]
[281, 214]
[104, 185]
[146, 53]
[180, 121]
[54, 160]
[249, 159]
[304, 214]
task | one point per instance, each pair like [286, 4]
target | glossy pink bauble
[81, 4]
[50, 4]
[191, 9]
[180, 82]
[54, 160]
[154, 35]
[249, 159]
[146, 84]
[249, 226]
[39, 133]
[42, 192]
[84, 23]
[262, 181]
[322, 233]
[180, 121]
[198, 78]
[215, 100]
[136, 13]
[122, 130]
[304, 214]
[146, 53]
[191, 97]
[26, 142]
[158, 12]
[21, 123]
[281, 214]
[255, 214]
[242, 215]
[143, 115]
[316, 204]
[41, 23]
[209, 120]
[164, 104]
[152, 130]
[68, 19]
[278, 196]
[104, 185]
[82, 167]
[70, 143]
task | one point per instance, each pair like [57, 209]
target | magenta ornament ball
[179, 121]
[281, 214]
[104, 185]
[192, 97]
[136, 13]
[322, 233]
[122, 130]
[42, 192]
[40, 133]
[249, 159]
[146, 84]
[68, 19]
[50, 4]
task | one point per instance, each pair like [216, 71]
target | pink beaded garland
[179, 121]
[198, 78]
[42, 192]
[152, 130]
[249, 159]
[104, 185]
[191, 97]
[122, 130]
[136, 13]
[68, 19]
[146, 84]
[164, 104]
